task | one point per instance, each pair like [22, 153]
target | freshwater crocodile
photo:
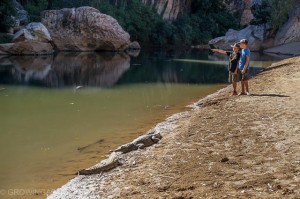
[105, 165]
[140, 142]
[113, 161]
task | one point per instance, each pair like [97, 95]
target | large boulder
[84, 29]
[290, 31]
[33, 31]
[26, 48]
[254, 34]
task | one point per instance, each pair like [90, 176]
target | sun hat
[243, 41]
[236, 45]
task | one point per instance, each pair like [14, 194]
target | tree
[262, 13]
[7, 10]
[280, 12]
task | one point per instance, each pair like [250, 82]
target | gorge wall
[169, 9]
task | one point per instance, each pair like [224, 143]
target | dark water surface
[62, 113]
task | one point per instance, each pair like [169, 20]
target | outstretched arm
[219, 51]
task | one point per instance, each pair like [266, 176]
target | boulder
[26, 48]
[289, 32]
[84, 29]
[33, 31]
[254, 34]
[134, 45]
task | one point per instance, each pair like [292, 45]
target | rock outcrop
[26, 48]
[31, 40]
[33, 31]
[290, 31]
[169, 9]
[254, 34]
[84, 29]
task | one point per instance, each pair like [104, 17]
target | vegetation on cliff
[275, 12]
[205, 20]
[6, 10]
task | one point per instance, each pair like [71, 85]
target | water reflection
[109, 69]
[65, 69]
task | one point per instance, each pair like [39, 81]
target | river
[63, 113]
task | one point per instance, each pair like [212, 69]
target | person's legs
[235, 79]
[247, 86]
[243, 86]
[234, 86]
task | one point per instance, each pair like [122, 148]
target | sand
[225, 147]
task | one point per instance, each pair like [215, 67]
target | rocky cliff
[243, 9]
[169, 9]
[290, 31]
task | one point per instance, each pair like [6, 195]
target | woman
[234, 57]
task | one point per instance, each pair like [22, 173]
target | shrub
[5, 38]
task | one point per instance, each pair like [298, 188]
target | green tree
[7, 10]
[280, 11]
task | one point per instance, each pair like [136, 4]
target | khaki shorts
[245, 76]
[232, 77]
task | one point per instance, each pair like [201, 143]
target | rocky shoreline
[223, 147]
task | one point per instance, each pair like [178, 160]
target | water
[63, 113]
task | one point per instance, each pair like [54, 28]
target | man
[234, 58]
[244, 65]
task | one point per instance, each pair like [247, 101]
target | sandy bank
[291, 49]
[226, 147]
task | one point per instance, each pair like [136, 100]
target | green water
[49, 129]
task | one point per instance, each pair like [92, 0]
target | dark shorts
[245, 76]
[232, 77]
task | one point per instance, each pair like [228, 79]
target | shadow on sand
[269, 95]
